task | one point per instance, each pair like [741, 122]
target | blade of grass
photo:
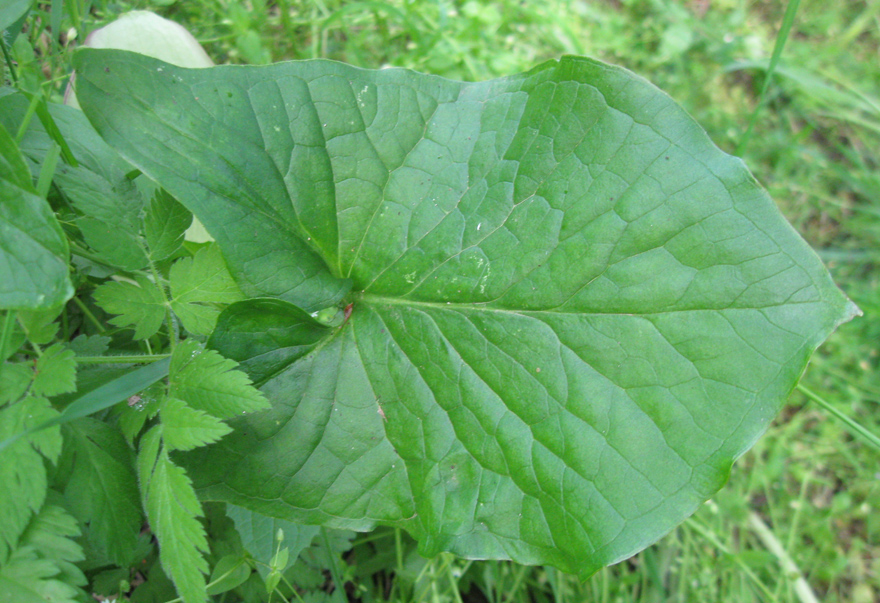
[47, 170]
[854, 427]
[335, 570]
[789, 567]
[781, 38]
[712, 539]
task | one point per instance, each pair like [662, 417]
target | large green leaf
[570, 312]
[33, 249]
[12, 11]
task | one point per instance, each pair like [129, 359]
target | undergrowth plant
[534, 318]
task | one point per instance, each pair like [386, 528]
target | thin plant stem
[169, 317]
[781, 39]
[83, 253]
[292, 588]
[398, 553]
[88, 314]
[517, 581]
[855, 428]
[334, 563]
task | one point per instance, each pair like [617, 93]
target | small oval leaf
[231, 571]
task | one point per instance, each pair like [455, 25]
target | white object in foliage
[149, 34]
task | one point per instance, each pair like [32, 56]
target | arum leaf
[568, 313]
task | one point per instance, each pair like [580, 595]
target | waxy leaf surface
[570, 311]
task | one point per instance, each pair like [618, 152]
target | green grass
[800, 516]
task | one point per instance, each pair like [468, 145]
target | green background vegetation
[810, 489]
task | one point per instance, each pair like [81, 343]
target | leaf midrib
[376, 300]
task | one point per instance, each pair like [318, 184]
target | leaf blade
[556, 278]
[139, 305]
[33, 249]
[209, 382]
[172, 508]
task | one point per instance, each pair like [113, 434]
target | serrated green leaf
[50, 534]
[89, 345]
[22, 469]
[211, 383]
[164, 225]
[39, 325]
[569, 311]
[25, 578]
[185, 428]
[101, 397]
[198, 285]
[15, 377]
[55, 372]
[172, 508]
[148, 453]
[102, 490]
[258, 532]
[114, 245]
[33, 248]
[140, 306]
[42, 568]
[14, 342]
